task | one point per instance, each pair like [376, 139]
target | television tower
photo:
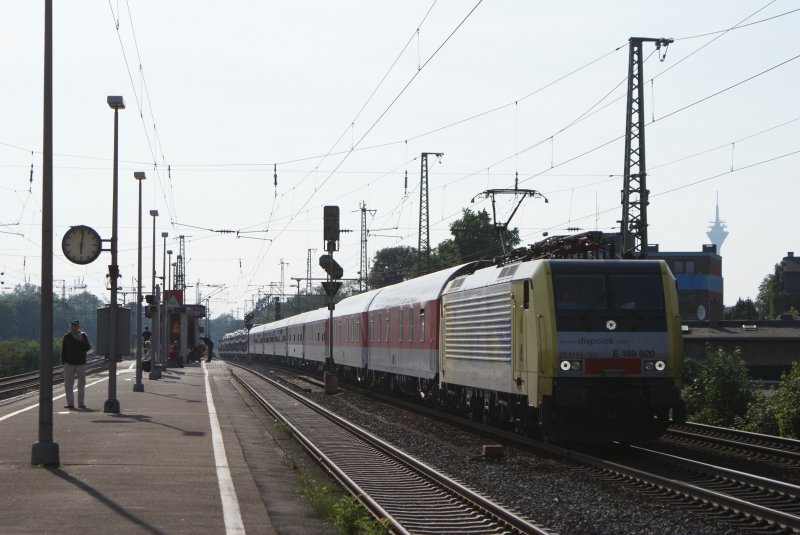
[716, 232]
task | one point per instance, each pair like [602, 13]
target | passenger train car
[569, 349]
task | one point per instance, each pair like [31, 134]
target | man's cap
[74, 322]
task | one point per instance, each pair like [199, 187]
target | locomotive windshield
[608, 292]
[588, 294]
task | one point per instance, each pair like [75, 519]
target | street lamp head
[164, 234]
[169, 251]
[138, 175]
[116, 102]
[154, 213]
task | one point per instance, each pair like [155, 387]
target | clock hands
[83, 233]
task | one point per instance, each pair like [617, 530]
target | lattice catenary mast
[363, 272]
[180, 265]
[424, 245]
[633, 225]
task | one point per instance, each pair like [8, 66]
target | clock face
[82, 244]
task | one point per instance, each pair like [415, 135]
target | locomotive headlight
[571, 365]
[655, 365]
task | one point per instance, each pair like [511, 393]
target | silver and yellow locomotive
[570, 349]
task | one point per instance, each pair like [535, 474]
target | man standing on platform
[73, 356]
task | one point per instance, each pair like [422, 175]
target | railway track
[743, 501]
[412, 496]
[17, 385]
[782, 450]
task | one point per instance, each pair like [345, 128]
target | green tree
[771, 301]
[787, 403]
[393, 265]
[719, 390]
[445, 255]
[8, 319]
[476, 238]
[744, 309]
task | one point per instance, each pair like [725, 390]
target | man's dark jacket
[74, 351]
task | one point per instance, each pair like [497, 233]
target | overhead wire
[169, 202]
[686, 185]
[380, 117]
[720, 34]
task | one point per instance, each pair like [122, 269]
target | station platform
[187, 455]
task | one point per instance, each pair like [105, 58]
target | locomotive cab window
[636, 292]
[579, 292]
[421, 324]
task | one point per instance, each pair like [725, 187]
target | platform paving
[151, 468]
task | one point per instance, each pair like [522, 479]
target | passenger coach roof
[425, 288]
[357, 303]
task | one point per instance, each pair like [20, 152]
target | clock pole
[112, 403]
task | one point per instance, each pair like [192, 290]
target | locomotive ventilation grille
[478, 326]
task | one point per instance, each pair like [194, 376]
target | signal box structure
[182, 324]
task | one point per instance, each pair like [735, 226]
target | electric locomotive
[577, 349]
[569, 349]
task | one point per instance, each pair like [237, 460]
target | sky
[339, 99]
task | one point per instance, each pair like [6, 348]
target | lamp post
[155, 364]
[45, 450]
[169, 270]
[154, 213]
[164, 260]
[138, 386]
[112, 403]
[165, 317]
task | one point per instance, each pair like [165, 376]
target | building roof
[733, 330]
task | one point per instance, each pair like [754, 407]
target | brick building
[699, 280]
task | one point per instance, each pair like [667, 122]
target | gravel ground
[562, 497]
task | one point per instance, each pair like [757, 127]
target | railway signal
[331, 266]
[330, 227]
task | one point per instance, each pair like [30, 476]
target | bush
[19, 356]
[787, 403]
[718, 389]
[760, 416]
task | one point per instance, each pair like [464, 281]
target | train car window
[421, 324]
[386, 331]
[411, 324]
[372, 328]
[400, 326]
[636, 292]
[579, 292]
[378, 338]
[359, 334]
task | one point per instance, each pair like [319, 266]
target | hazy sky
[219, 92]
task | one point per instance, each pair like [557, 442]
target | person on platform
[210, 345]
[74, 346]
